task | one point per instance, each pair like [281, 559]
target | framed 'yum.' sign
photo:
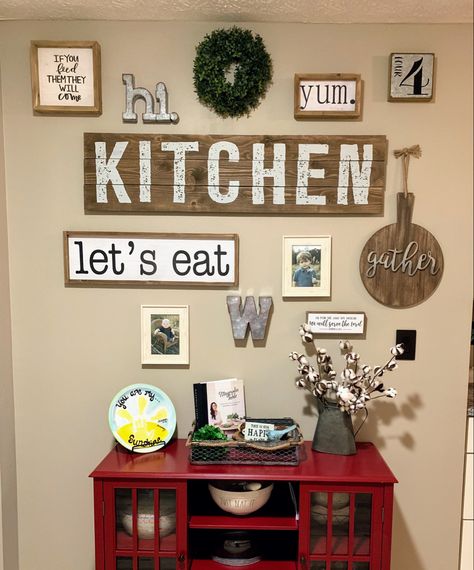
[328, 96]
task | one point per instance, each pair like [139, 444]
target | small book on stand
[220, 403]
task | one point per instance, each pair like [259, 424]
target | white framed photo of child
[165, 334]
[306, 266]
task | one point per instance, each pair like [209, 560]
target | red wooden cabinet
[327, 513]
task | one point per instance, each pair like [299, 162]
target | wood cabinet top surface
[172, 463]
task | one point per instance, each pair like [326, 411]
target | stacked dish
[236, 550]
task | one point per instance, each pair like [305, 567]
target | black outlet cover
[408, 339]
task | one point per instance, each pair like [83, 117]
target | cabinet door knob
[303, 561]
[181, 558]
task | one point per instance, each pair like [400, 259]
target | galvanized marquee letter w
[241, 320]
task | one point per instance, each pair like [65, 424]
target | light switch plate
[408, 339]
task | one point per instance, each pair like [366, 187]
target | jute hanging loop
[406, 153]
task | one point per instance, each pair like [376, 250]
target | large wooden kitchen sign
[238, 174]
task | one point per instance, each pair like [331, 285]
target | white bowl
[146, 524]
[339, 500]
[146, 516]
[239, 501]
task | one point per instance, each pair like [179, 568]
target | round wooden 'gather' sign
[401, 264]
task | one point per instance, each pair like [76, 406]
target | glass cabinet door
[143, 523]
[124, 563]
[322, 565]
[341, 528]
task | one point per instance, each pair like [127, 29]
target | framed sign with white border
[306, 266]
[327, 96]
[165, 334]
[95, 259]
[337, 323]
[66, 77]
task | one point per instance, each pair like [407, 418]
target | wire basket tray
[287, 452]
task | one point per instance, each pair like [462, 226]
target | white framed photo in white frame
[306, 266]
[165, 334]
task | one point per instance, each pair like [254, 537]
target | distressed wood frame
[150, 344]
[37, 79]
[301, 114]
[292, 245]
[338, 331]
[119, 282]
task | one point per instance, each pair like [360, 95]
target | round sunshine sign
[142, 418]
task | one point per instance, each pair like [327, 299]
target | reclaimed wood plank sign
[401, 264]
[150, 259]
[237, 174]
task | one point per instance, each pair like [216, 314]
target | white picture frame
[315, 281]
[165, 347]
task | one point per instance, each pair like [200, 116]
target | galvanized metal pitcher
[334, 431]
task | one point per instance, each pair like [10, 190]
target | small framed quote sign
[150, 260]
[66, 77]
[411, 77]
[342, 324]
[327, 96]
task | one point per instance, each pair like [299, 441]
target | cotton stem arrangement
[357, 383]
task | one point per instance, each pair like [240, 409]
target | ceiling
[307, 11]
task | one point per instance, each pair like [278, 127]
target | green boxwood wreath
[252, 76]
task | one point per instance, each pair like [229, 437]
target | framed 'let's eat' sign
[65, 77]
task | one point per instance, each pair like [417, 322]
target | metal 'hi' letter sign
[241, 320]
[133, 93]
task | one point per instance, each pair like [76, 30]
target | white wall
[73, 349]
[8, 495]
